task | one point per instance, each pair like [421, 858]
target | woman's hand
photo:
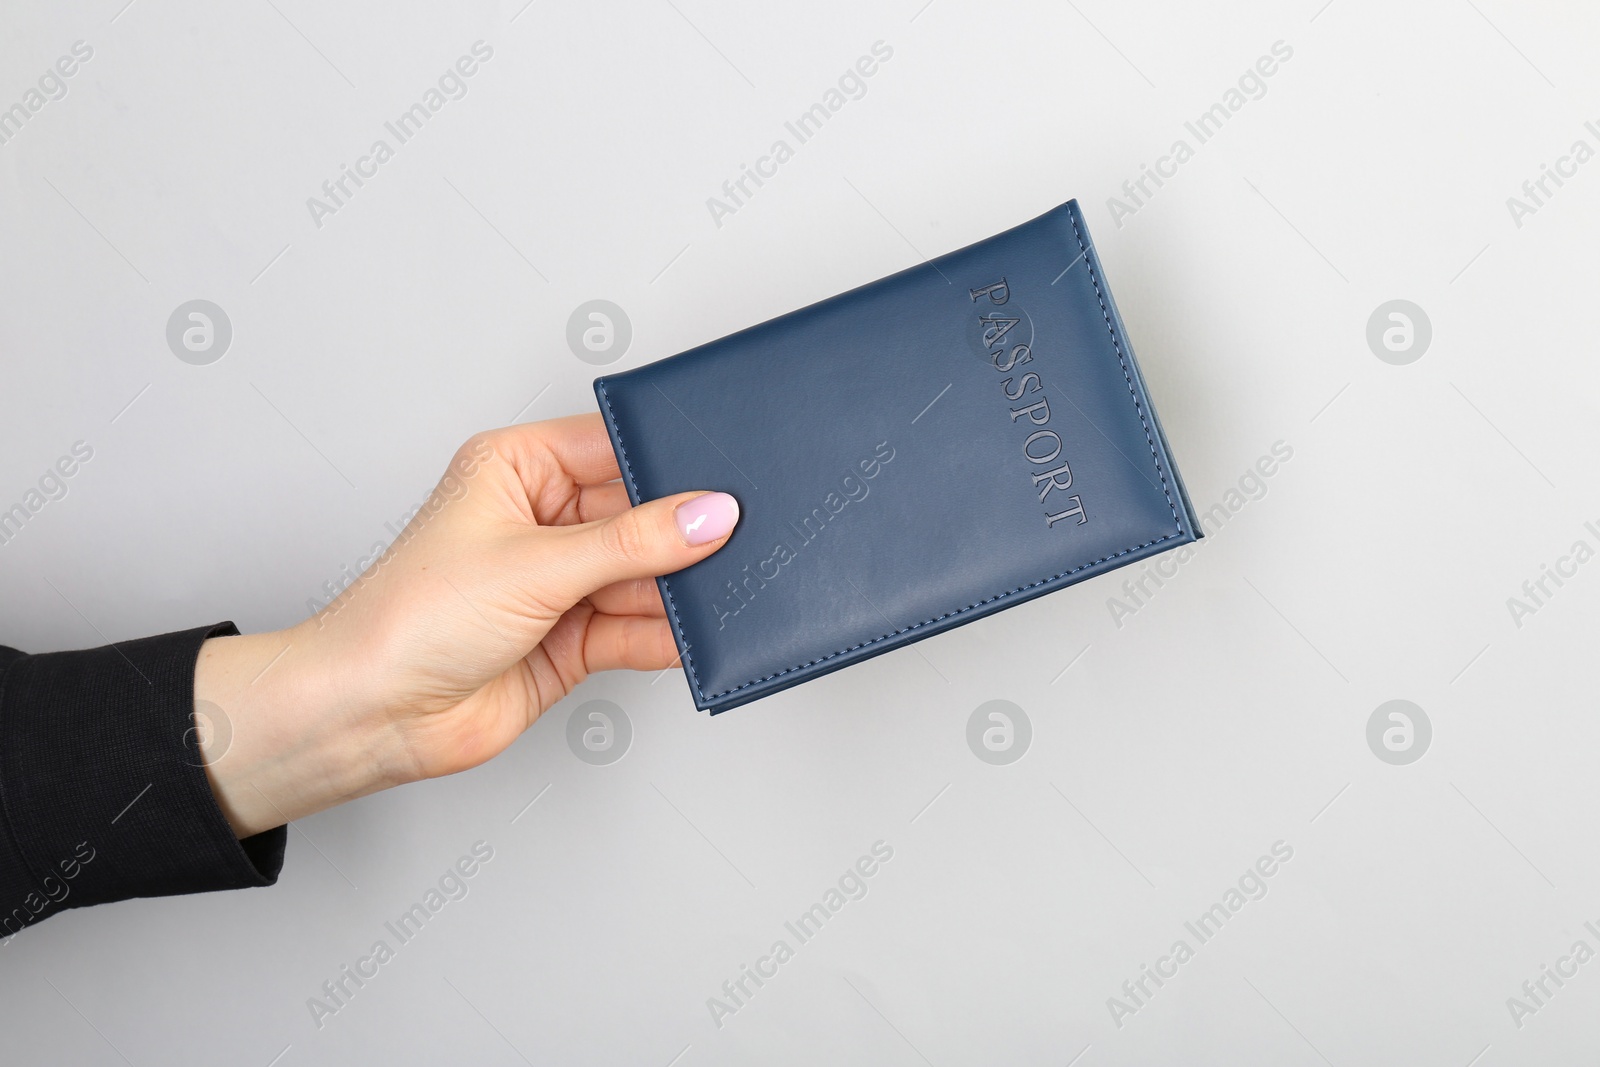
[525, 572]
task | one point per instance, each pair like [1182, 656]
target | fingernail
[706, 518]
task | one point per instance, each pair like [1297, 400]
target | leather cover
[912, 455]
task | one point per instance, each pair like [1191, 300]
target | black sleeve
[103, 794]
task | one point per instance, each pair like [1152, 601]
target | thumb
[657, 537]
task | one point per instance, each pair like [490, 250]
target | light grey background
[1168, 753]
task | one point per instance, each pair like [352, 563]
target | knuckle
[624, 537]
[646, 646]
[475, 451]
[646, 596]
[632, 647]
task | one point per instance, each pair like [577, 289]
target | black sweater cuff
[103, 793]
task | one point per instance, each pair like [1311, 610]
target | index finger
[579, 445]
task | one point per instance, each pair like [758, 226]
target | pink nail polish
[707, 517]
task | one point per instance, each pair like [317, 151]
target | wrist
[289, 733]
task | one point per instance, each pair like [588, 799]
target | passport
[909, 456]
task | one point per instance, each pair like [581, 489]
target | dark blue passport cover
[909, 456]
